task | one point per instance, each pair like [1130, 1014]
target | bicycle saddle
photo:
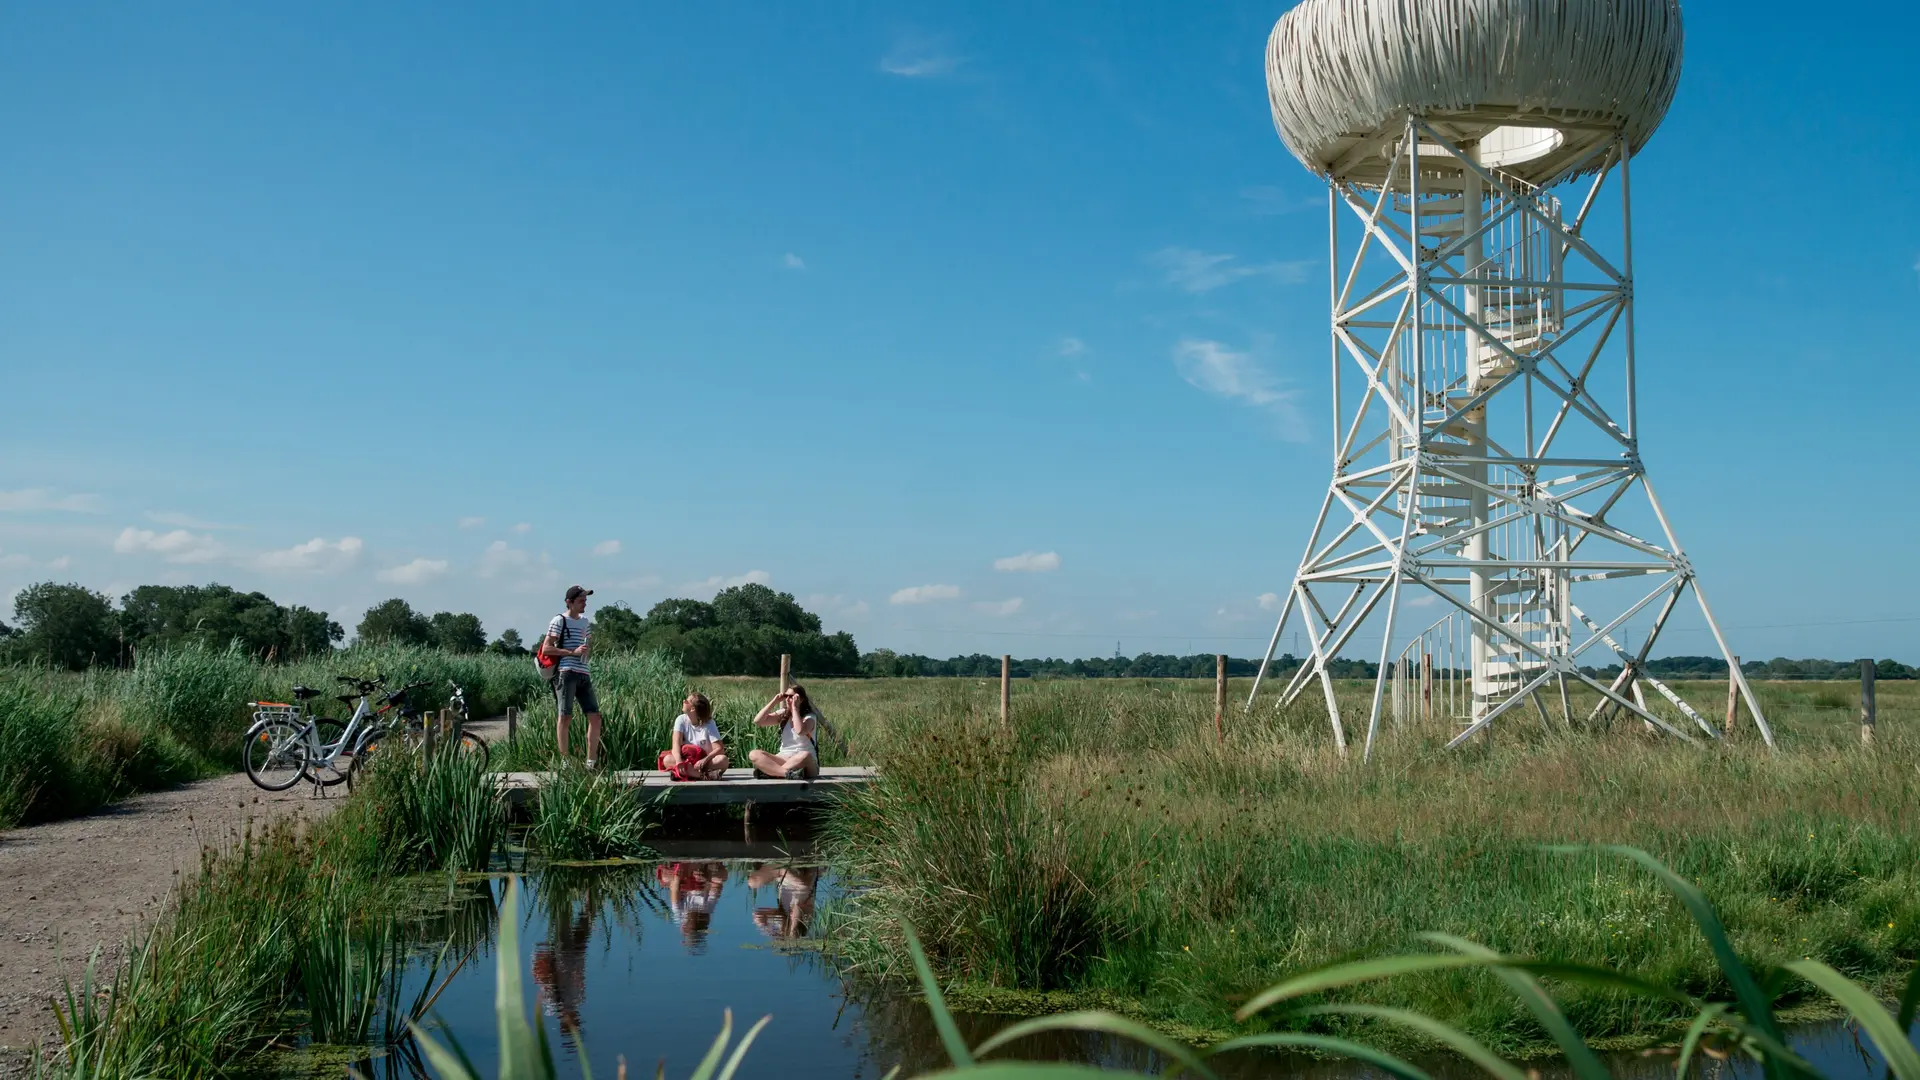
[302, 693]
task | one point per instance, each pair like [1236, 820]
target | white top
[570, 634]
[792, 742]
[700, 735]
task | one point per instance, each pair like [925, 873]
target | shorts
[576, 686]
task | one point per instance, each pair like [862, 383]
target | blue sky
[464, 303]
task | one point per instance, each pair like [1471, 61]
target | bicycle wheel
[275, 754]
[323, 769]
[474, 745]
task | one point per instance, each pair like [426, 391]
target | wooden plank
[738, 786]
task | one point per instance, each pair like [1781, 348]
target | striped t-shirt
[569, 634]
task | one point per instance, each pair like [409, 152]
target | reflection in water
[792, 910]
[693, 891]
[665, 995]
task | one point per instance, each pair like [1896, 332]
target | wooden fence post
[513, 722]
[1006, 696]
[1426, 687]
[1866, 702]
[1219, 695]
[1733, 696]
[429, 721]
[786, 670]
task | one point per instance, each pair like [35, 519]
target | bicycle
[284, 745]
[413, 732]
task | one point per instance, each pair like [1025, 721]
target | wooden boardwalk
[739, 786]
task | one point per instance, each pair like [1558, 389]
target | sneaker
[592, 764]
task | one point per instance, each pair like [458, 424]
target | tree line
[887, 664]
[742, 631]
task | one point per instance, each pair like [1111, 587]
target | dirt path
[67, 887]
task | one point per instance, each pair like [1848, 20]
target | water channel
[641, 960]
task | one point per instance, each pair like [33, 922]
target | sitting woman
[798, 720]
[698, 752]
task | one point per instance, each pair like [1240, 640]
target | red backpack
[547, 666]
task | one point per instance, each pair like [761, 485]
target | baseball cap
[574, 592]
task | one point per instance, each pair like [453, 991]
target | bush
[589, 815]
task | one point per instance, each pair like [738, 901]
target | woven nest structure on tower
[1538, 85]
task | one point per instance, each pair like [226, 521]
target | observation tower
[1486, 454]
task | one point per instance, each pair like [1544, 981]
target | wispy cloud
[1077, 355]
[836, 605]
[607, 547]
[178, 546]
[999, 607]
[502, 559]
[415, 572]
[920, 57]
[473, 521]
[1270, 601]
[925, 594]
[1201, 272]
[793, 262]
[1267, 200]
[316, 554]
[1215, 368]
[523, 528]
[722, 581]
[38, 499]
[183, 521]
[1033, 562]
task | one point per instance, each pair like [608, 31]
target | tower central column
[1477, 547]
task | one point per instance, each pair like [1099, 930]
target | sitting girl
[798, 720]
[698, 752]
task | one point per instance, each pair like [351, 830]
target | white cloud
[836, 604]
[415, 572]
[178, 546]
[1199, 272]
[32, 499]
[1271, 601]
[14, 561]
[501, 558]
[913, 66]
[183, 521]
[607, 547]
[1213, 367]
[315, 554]
[999, 607]
[1034, 562]
[793, 262]
[1071, 346]
[524, 527]
[719, 581]
[60, 563]
[472, 521]
[1266, 200]
[925, 594]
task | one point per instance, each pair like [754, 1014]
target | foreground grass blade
[1580, 1056]
[1105, 1022]
[936, 1002]
[1903, 1059]
[1601, 978]
[740, 1052]
[1695, 1032]
[1757, 1006]
[1327, 1044]
[712, 1061]
[519, 1052]
[1339, 975]
[1465, 1045]
[1023, 1070]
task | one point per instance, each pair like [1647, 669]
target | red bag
[689, 754]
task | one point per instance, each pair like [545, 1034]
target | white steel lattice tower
[1486, 463]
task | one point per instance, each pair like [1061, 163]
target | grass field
[1109, 848]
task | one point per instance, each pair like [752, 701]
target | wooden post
[1426, 687]
[1866, 702]
[786, 670]
[1733, 696]
[513, 722]
[1006, 677]
[1219, 695]
[429, 722]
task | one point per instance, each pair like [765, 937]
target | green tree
[460, 633]
[308, 632]
[169, 616]
[681, 615]
[617, 629]
[394, 621]
[757, 605]
[508, 644]
[68, 626]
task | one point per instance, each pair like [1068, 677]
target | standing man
[567, 641]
